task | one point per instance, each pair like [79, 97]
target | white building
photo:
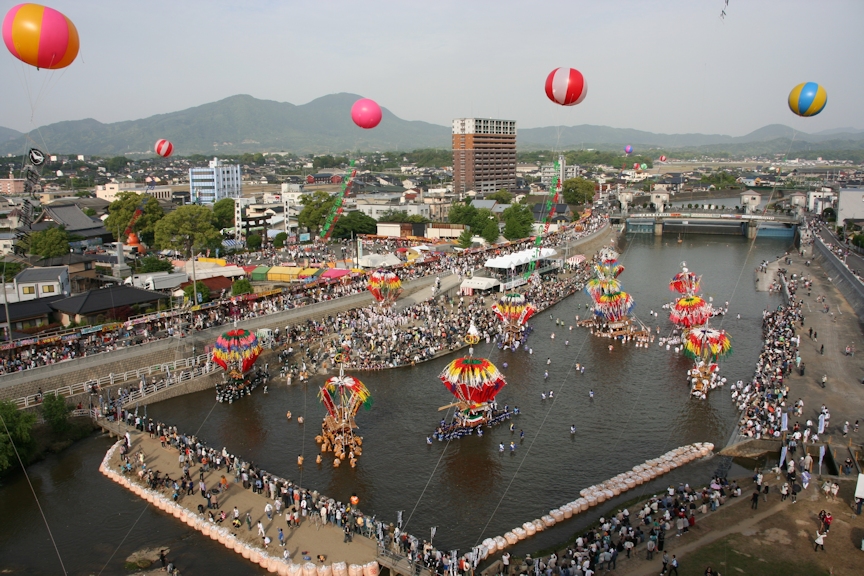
[377, 209]
[565, 172]
[111, 190]
[33, 283]
[217, 181]
[850, 205]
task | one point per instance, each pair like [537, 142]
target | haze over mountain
[245, 124]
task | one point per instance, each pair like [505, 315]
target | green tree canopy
[518, 222]
[241, 286]
[578, 191]
[465, 238]
[253, 242]
[502, 196]
[11, 269]
[56, 412]
[151, 264]
[19, 424]
[203, 292]
[328, 161]
[491, 232]
[121, 211]
[316, 208]
[280, 239]
[355, 222]
[829, 214]
[462, 214]
[394, 215]
[481, 219]
[188, 228]
[116, 164]
[223, 213]
[50, 242]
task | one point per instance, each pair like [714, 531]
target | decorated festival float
[385, 287]
[235, 352]
[691, 313]
[475, 382]
[342, 396]
[612, 306]
[514, 311]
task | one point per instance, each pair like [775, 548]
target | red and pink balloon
[164, 148]
[366, 113]
[566, 86]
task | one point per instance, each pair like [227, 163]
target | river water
[466, 488]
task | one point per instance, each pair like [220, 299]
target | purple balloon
[628, 149]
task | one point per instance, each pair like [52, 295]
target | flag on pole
[782, 455]
[784, 422]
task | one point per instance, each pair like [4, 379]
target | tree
[394, 215]
[417, 219]
[491, 232]
[187, 229]
[11, 269]
[280, 239]
[465, 238]
[90, 212]
[151, 264]
[355, 222]
[253, 242]
[19, 423]
[203, 292]
[502, 196]
[578, 191]
[518, 221]
[462, 214]
[241, 286]
[121, 211]
[50, 242]
[223, 213]
[55, 411]
[316, 208]
[481, 218]
[829, 215]
[116, 164]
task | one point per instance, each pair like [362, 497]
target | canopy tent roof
[479, 283]
[335, 273]
[576, 260]
[519, 258]
[379, 260]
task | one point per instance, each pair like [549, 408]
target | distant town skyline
[666, 66]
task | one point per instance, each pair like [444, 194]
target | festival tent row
[510, 261]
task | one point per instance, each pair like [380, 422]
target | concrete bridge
[708, 222]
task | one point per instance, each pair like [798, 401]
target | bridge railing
[114, 378]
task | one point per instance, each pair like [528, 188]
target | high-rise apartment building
[217, 181]
[484, 155]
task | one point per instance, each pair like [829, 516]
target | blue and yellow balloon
[807, 99]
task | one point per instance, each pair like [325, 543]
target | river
[467, 489]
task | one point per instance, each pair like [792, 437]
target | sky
[670, 66]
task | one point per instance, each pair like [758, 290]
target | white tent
[379, 260]
[519, 258]
[479, 283]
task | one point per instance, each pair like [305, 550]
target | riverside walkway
[308, 542]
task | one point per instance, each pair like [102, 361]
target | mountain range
[245, 124]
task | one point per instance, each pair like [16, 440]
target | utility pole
[6, 305]
[194, 281]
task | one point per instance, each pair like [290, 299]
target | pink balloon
[366, 113]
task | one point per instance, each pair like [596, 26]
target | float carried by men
[514, 310]
[475, 382]
[342, 396]
[385, 287]
[690, 312]
[235, 352]
[611, 304]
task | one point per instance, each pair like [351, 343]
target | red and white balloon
[164, 148]
[566, 86]
[662, 158]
